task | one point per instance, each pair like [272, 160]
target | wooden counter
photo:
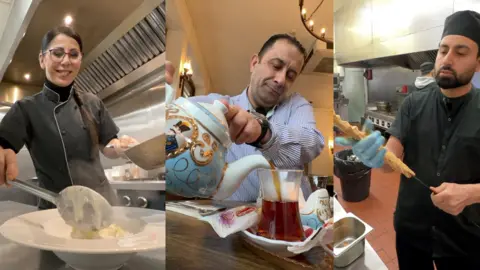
[193, 244]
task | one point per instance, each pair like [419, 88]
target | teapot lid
[211, 116]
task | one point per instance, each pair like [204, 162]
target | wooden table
[193, 244]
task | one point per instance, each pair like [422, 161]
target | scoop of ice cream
[85, 209]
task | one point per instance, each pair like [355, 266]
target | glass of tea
[280, 218]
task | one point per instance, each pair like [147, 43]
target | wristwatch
[264, 124]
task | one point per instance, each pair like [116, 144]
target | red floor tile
[383, 255]
[392, 265]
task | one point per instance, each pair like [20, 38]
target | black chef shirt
[441, 140]
[51, 126]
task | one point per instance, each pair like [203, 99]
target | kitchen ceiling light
[68, 20]
[27, 76]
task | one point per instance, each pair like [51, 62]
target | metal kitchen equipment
[422, 183]
[348, 241]
[400, 97]
[66, 205]
[341, 106]
[149, 199]
[340, 102]
[420, 49]
[383, 106]
[133, 195]
[148, 155]
[337, 86]
[381, 120]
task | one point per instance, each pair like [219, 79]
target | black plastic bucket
[354, 176]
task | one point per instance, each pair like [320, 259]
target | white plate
[278, 247]
[46, 230]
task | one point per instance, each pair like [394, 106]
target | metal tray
[349, 240]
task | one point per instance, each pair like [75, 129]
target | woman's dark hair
[67, 31]
[86, 114]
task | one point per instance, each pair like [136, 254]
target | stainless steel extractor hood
[140, 45]
[410, 60]
[376, 33]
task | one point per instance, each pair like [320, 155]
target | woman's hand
[8, 166]
[123, 143]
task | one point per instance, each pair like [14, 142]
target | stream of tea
[280, 219]
[276, 181]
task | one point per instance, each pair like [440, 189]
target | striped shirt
[295, 140]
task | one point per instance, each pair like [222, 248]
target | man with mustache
[266, 118]
[437, 134]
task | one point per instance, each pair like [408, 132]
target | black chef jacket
[59, 141]
[441, 140]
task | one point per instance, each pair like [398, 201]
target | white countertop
[139, 185]
[370, 259]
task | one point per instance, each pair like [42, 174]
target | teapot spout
[236, 172]
[170, 94]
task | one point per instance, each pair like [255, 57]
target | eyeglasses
[58, 54]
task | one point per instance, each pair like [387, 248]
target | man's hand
[8, 166]
[451, 198]
[169, 91]
[243, 127]
[169, 72]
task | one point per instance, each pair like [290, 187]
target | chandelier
[308, 23]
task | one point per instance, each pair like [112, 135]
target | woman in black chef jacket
[64, 130]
